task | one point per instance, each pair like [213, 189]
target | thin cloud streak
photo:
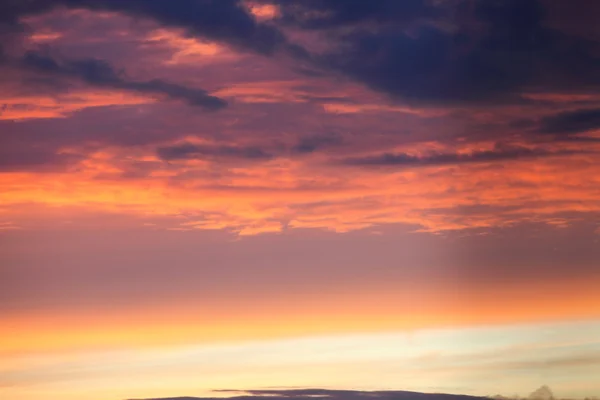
[100, 73]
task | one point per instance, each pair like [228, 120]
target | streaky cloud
[223, 20]
[186, 151]
[500, 153]
[100, 73]
[571, 122]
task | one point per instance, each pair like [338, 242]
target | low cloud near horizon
[543, 393]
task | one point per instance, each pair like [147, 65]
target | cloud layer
[168, 168]
[451, 118]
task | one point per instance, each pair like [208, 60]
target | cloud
[500, 153]
[224, 20]
[571, 122]
[572, 361]
[543, 393]
[325, 14]
[311, 394]
[37, 159]
[186, 151]
[100, 73]
[458, 52]
[310, 144]
[464, 51]
[119, 137]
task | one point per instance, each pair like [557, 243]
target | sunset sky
[340, 194]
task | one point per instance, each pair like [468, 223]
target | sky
[353, 195]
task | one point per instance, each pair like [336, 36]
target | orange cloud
[262, 11]
[188, 50]
[267, 196]
[19, 108]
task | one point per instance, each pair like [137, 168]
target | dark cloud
[40, 160]
[470, 51]
[188, 151]
[433, 52]
[310, 144]
[578, 17]
[500, 153]
[571, 122]
[310, 394]
[100, 73]
[325, 14]
[12, 10]
[222, 20]
[579, 139]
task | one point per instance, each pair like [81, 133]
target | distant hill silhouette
[543, 393]
[324, 394]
